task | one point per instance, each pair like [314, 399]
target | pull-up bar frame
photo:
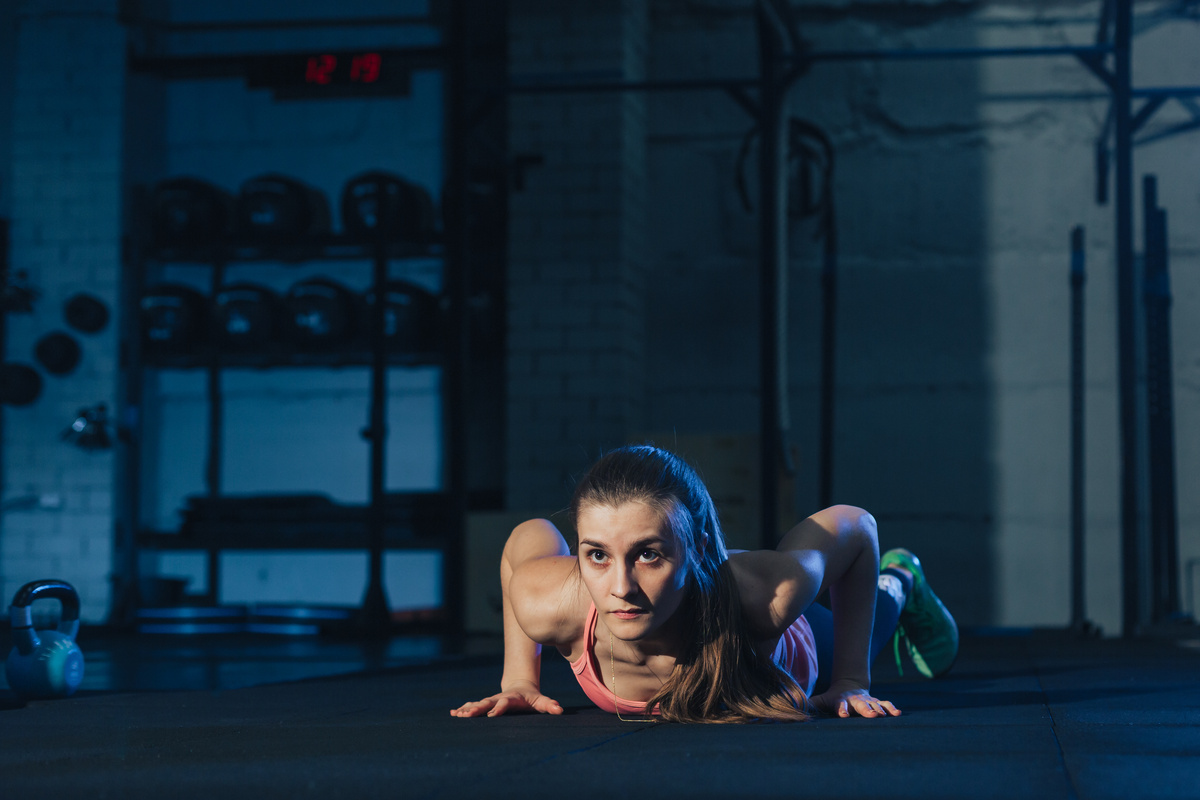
[782, 63]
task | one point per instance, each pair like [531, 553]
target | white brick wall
[577, 247]
[65, 208]
[8, 49]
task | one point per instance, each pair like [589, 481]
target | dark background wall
[914, 419]
[628, 282]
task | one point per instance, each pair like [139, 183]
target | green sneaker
[929, 632]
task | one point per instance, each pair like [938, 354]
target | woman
[658, 619]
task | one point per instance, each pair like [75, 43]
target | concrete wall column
[577, 236]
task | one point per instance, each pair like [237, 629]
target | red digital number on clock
[365, 68]
[320, 69]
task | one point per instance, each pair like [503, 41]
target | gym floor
[1024, 714]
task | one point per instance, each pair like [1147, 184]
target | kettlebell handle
[21, 611]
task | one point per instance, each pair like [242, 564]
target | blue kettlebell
[50, 665]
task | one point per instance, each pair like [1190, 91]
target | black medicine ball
[320, 313]
[246, 315]
[380, 204]
[20, 384]
[173, 319]
[189, 212]
[58, 353]
[276, 209]
[85, 313]
[410, 318]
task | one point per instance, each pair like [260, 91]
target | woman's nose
[624, 582]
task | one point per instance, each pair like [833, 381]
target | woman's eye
[648, 556]
[596, 557]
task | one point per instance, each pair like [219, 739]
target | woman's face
[632, 566]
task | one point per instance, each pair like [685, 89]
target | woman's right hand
[518, 698]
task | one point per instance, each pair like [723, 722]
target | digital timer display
[331, 73]
[377, 72]
[331, 68]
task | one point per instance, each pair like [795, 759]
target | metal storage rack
[386, 522]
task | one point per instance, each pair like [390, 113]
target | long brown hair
[721, 676]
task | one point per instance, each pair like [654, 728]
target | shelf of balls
[346, 536]
[332, 247]
[304, 521]
[264, 359]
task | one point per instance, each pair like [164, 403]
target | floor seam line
[578, 750]
[1072, 789]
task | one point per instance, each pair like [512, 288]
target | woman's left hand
[846, 698]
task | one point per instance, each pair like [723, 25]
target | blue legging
[820, 619]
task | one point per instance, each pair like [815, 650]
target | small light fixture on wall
[90, 430]
[17, 294]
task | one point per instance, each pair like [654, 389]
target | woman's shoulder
[772, 588]
[550, 601]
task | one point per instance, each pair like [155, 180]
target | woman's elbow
[535, 538]
[854, 520]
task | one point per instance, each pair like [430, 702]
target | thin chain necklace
[612, 670]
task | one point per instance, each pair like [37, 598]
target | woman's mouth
[628, 613]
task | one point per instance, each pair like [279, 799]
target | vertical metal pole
[1160, 410]
[216, 435]
[129, 424]
[216, 415]
[772, 270]
[828, 357]
[456, 366]
[1130, 440]
[376, 614]
[1078, 562]
[5, 277]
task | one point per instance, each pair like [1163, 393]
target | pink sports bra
[796, 653]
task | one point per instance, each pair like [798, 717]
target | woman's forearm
[529, 541]
[852, 596]
[844, 540]
[522, 655]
